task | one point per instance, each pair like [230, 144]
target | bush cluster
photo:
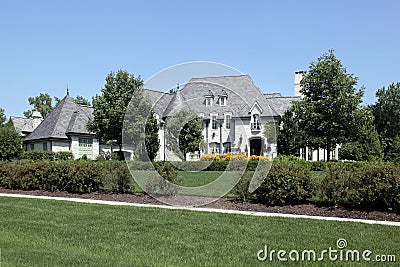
[285, 184]
[374, 186]
[46, 155]
[70, 176]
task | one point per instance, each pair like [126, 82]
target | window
[31, 147]
[214, 122]
[45, 146]
[208, 101]
[256, 125]
[222, 101]
[85, 147]
[228, 121]
[310, 154]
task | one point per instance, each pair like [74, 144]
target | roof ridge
[221, 76]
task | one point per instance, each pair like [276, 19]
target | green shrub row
[375, 186]
[199, 165]
[46, 155]
[71, 176]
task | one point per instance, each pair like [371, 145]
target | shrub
[374, 186]
[116, 177]
[241, 189]
[10, 143]
[286, 183]
[166, 183]
[46, 155]
[63, 155]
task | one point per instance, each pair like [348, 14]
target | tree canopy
[152, 142]
[10, 143]
[364, 144]
[387, 116]
[3, 117]
[42, 102]
[80, 100]
[184, 132]
[111, 105]
[326, 114]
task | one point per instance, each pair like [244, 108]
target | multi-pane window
[45, 146]
[86, 147]
[208, 101]
[222, 100]
[228, 121]
[214, 122]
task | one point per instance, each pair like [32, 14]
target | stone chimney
[298, 76]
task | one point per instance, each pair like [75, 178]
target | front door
[255, 147]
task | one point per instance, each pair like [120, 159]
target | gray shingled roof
[159, 99]
[241, 91]
[281, 103]
[66, 118]
[24, 125]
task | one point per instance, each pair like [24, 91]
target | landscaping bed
[228, 203]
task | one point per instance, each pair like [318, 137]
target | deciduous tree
[111, 105]
[184, 132]
[330, 101]
[387, 115]
[10, 143]
[42, 102]
[364, 144]
[2, 117]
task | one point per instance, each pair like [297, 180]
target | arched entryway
[255, 146]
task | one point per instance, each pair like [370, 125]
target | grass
[37, 232]
[193, 179]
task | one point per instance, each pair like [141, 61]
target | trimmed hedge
[373, 186]
[285, 184]
[71, 176]
[46, 155]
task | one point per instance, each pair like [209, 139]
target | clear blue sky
[46, 45]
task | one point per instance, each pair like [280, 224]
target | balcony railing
[255, 126]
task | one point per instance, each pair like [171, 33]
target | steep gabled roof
[25, 125]
[240, 90]
[66, 118]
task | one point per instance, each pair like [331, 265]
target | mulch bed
[230, 204]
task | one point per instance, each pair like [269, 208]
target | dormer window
[222, 101]
[209, 101]
[222, 98]
[209, 98]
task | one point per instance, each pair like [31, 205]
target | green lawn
[193, 179]
[56, 233]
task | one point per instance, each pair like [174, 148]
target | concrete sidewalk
[248, 213]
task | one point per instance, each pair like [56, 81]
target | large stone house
[234, 113]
